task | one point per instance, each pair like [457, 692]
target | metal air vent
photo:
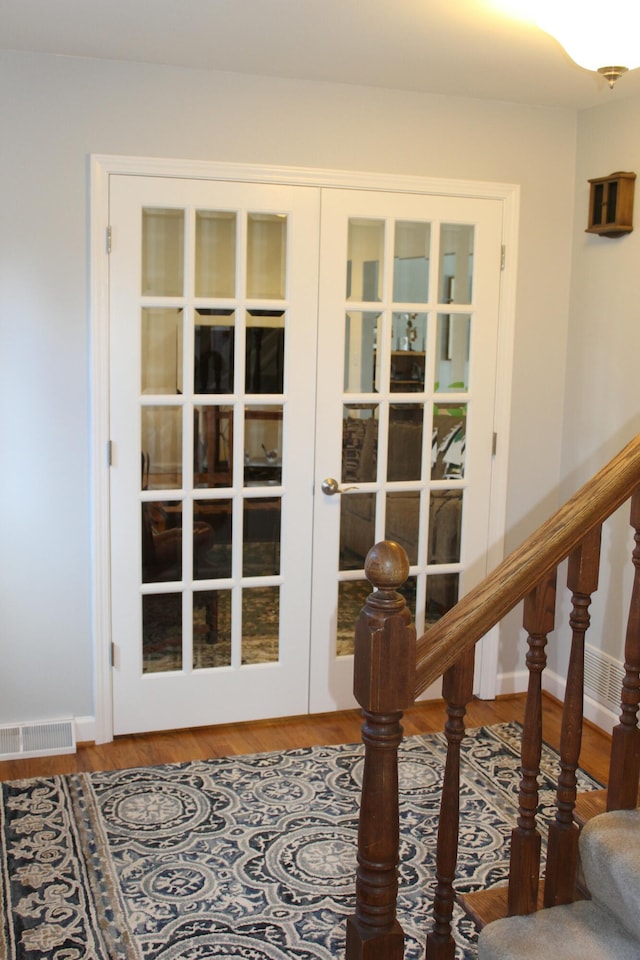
[42, 739]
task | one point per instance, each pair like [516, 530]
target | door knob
[331, 486]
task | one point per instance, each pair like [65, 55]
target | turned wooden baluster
[457, 690]
[624, 772]
[524, 868]
[384, 679]
[562, 849]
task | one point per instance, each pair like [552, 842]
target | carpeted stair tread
[577, 931]
[607, 927]
[610, 854]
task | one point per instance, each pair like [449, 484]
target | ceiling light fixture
[606, 41]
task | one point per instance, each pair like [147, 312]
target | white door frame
[101, 168]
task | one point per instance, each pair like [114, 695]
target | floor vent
[44, 739]
[603, 677]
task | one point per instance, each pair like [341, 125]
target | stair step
[607, 926]
[575, 931]
[589, 804]
[610, 853]
[486, 906]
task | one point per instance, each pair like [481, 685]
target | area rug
[244, 857]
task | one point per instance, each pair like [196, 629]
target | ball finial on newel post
[386, 566]
[384, 662]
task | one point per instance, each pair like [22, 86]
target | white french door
[407, 354]
[213, 337]
[296, 372]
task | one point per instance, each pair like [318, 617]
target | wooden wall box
[611, 205]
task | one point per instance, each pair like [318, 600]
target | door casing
[101, 169]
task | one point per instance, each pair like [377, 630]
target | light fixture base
[611, 74]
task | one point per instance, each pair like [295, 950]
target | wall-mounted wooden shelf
[611, 205]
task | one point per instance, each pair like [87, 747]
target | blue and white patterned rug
[243, 857]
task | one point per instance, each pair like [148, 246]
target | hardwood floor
[267, 735]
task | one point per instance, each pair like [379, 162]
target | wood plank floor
[291, 732]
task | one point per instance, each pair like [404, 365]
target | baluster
[524, 868]
[457, 690]
[562, 851]
[624, 772]
[384, 679]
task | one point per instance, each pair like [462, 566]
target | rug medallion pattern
[242, 857]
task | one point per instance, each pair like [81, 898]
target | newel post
[384, 669]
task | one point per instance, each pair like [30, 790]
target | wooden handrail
[486, 605]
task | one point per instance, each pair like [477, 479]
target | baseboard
[85, 728]
[515, 682]
[597, 714]
[518, 682]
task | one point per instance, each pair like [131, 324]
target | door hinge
[494, 445]
[108, 239]
[113, 654]
[109, 453]
[503, 256]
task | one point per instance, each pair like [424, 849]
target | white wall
[602, 401]
[55, 112]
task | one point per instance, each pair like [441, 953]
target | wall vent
[603, 676]
[43, 739]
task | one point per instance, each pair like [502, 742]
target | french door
[213, 341]
[295, 373]
[407, 353]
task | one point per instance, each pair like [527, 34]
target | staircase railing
[392, 668]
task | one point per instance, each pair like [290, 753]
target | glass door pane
[214, 350]
[267, 255]
[216, 253]
[162, 252]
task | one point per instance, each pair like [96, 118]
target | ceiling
[454, 47]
